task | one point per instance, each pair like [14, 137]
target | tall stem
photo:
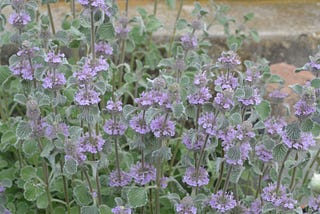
[117, 158]
[281, 170]
[93, 52]
[65, 188]
[51, 19]
[226, 183]
[175, 28]
[158, 174]
[155, 7]
[293, 176]
[310, 167]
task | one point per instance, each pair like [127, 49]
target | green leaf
[43, 99]
[23, 130]
[275, 79]
[268, 207]
[28, 172]
[104, 209]
[259, 125]
[151, 114]
[101, 86]
[315, 130]
[82, 195]
[164, 153]
[89, 210]
[279, 152]
[297, 88]
[306, 125]
[20, 98]
[29, 147]
[137, 197]
[8, 138]
[236, 173]
[106, 31]
[128, 110]
[315, 83]
[248, 16]
[48, 1]
[293, 131]
[239, 93]
[178, 110]
[263, 109]
[171, 3]
[42, 201]
[32, 190]
[236, 118]
[5, 73]
[234, 153]
[70, 166]
[153, 24]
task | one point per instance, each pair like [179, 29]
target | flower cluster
[194, 141]
[91, 143]
[119, 178]
[114, 128]
[186, 206]
[279, 198]
[189, 42]
[96, 4]
[222, 202]
[121, 210]
[229, 59]
[303, 143]
[314, 204]
[139, 125]
[208, 122]
[142, 174]
[195, 177]
[162, 126]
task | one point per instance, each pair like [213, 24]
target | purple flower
[229, 59]
[189, 42]
[162, 127]
[227, 81]
[74, 150]
[92, 144]
[224, 100]
[255, 99]
[114, 128]
[145, 100]
[97, 4]
[54, 59]
[54, 81]
[86, 97]
[239, 133]
[19, 20]
[138, 124]
[114, 106]
[90, 69]
[22, 68]
[6, 211]
[103, 48]
[303, 143]
[194, 141]
[263, 153]
[275, 125]
[2, 189]
[194, 178]
[52, 131]
[278, 198]
[162, 99]
[122, 32]
[116, 181]
[121, 210]
[186, 206]
[142, 174]
[252, 75]
[200, 97]
[200, 79]
[314, 204]
[222, 202]
[304, 109]
[236, 155]
[278, 95]
[27, 52]
[256, 207]
[208, 122]
[38, 128]
[164, 182]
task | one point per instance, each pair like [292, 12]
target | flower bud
[33, 110]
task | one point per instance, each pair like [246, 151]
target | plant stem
[51, 19]
[293, 176]
[155, 7]
[98, 188]
[200, 160]
[226, 183]
[264, 169]
[65, 188]
[281, 170]
[73, 8]
[310, 167]
[88, 180]
[46, 178]
[175, 28]
[158, 174]
[117, 158]
[93, 52]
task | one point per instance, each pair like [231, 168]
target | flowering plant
[128, 125]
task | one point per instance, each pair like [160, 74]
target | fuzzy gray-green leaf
[137, 197]
[23, 130]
